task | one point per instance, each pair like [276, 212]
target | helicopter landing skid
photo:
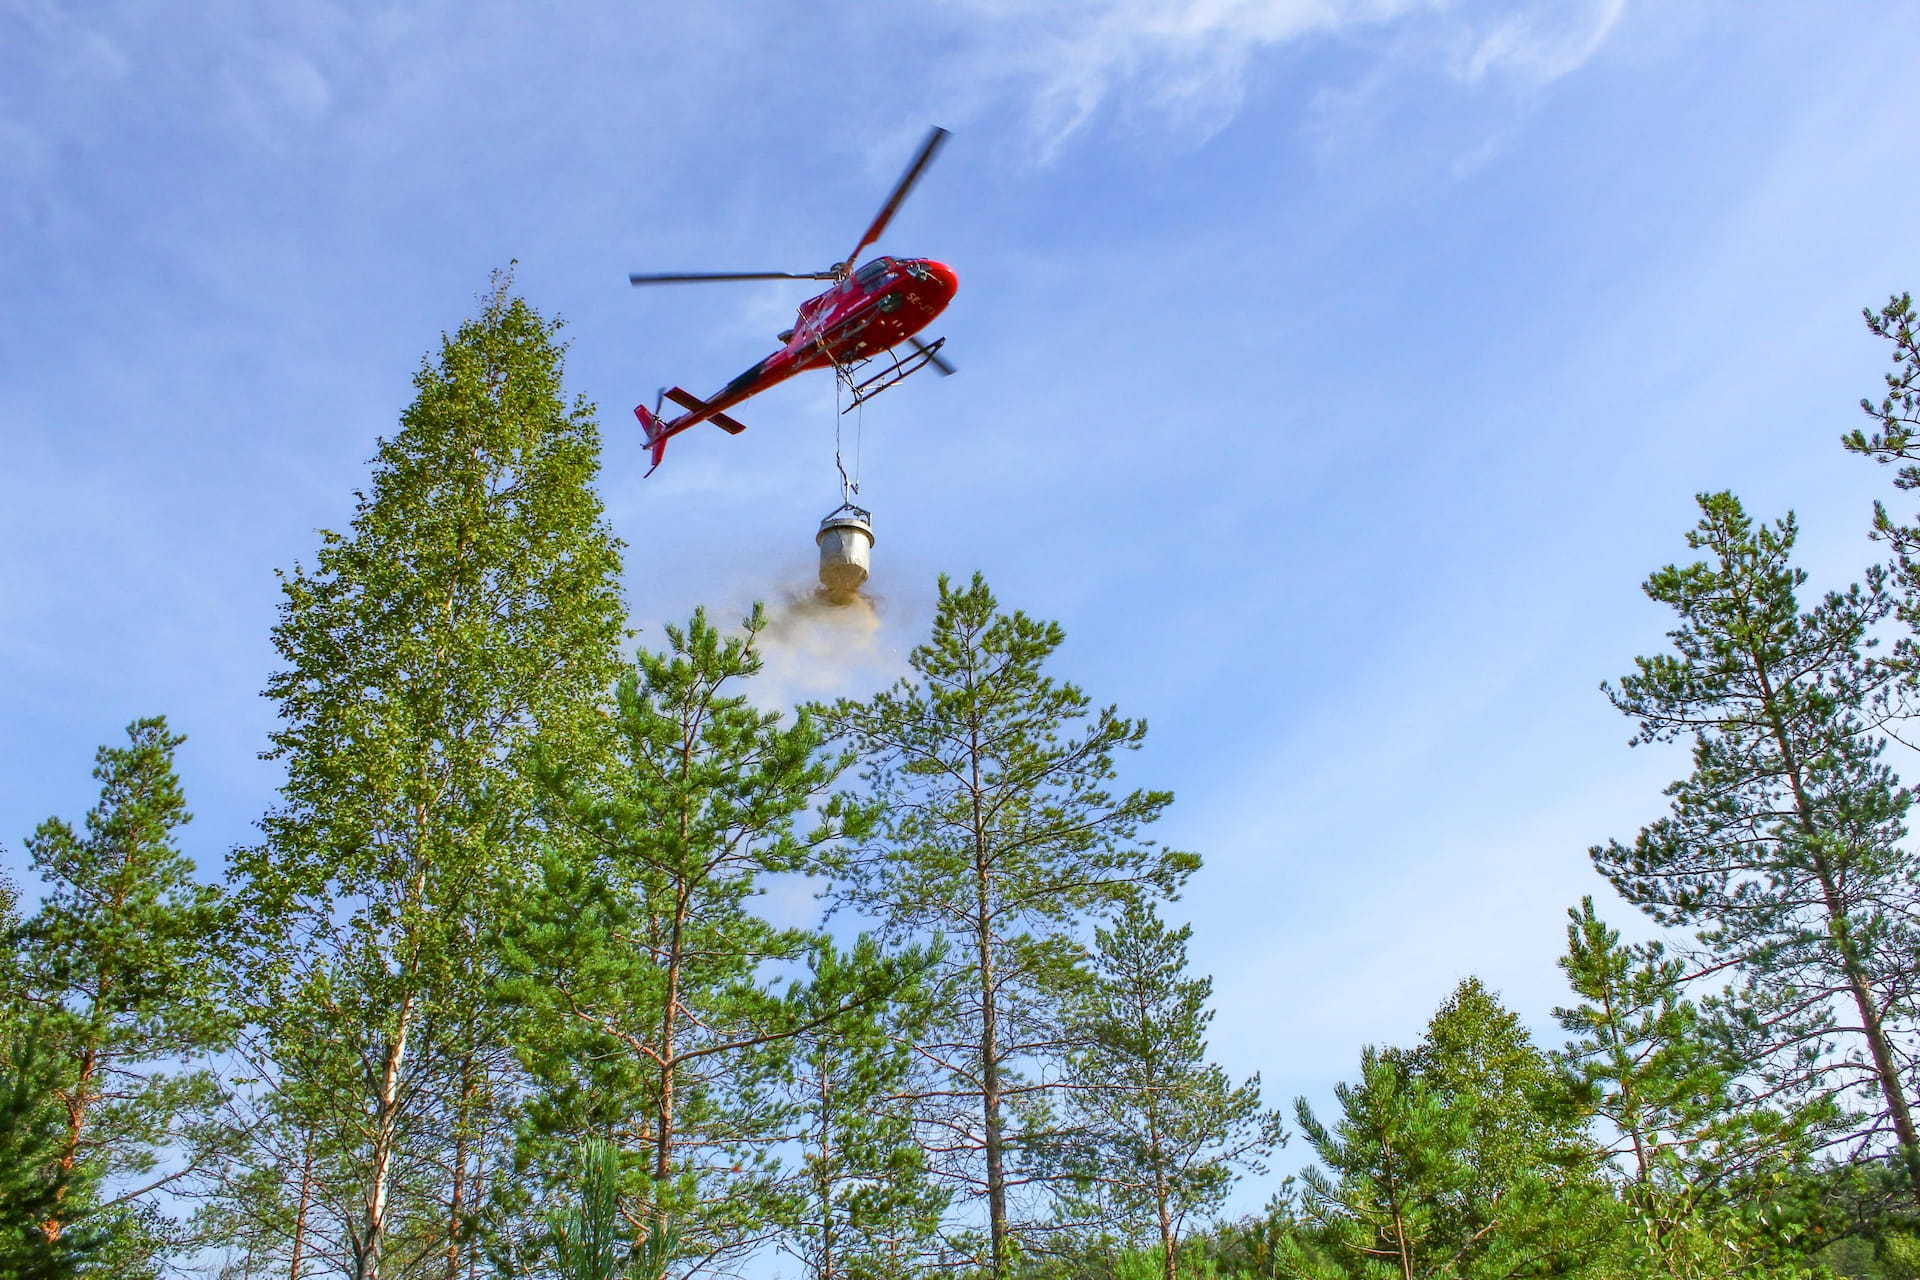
[864, 388]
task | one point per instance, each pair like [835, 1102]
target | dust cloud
[822, 645]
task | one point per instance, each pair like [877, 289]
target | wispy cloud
[1539, 43]
[1190, 62]
[1185, 59]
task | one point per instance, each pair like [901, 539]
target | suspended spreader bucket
[846, 551]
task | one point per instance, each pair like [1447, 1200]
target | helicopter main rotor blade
[697, 277]
[900, 190]
[933, 358]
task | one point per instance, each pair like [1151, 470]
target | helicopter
[863, 318]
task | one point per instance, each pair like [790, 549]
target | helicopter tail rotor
[656, 434]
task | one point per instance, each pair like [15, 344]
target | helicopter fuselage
[875, 308]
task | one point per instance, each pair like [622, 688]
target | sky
[1333, 370]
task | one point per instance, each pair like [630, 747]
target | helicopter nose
[944, 276]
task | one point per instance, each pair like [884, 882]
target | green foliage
[1684, 1155]
[1001, 833]
[638, 961]
[467, 623]
[592, 1239]
[1644, 1060]
[1157, 1134]
[117, 964]
[1249, 1246]
[1394, 1156]
[34, 1184]
[1897, 415]
[1784, 842]
[1478, 1057]
[1891, 440]
[1457, 1159]
[868, 1207]
[1900, 1256]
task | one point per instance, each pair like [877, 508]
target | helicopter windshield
[871, 274]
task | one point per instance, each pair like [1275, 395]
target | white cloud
[296, 82]
[1541, 43]
[78, 55]
[1183, 58]
[66, 63]
[1190, 61]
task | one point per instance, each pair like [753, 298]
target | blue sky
[1334, 370]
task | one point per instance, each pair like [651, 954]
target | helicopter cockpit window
[870, 274]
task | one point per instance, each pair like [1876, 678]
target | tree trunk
[77, 1103]
[669, 1016]
[669, 1028]
[305, 1201]
[1163, 1205]
[825, 1271]
[456, 1202]
[1877, 1042]
[386, 1123]
[990, 1101]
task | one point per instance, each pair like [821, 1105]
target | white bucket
[846, 551]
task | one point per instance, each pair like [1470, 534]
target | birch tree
[467, 621]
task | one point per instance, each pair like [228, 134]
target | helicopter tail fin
[656, 435]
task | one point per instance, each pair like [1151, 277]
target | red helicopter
[864, 316]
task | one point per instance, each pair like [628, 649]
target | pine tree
[1158, 1134]
[33, 1184]
[118, 963]
[1784, 842]
[1657, 1075]
[1396, 1156]
[1001, 835]
[1643, 1061]
[32, 1129]
[1893, 440]
[869, 1207]
[640, 961]
[593, 1239]
[466, 623]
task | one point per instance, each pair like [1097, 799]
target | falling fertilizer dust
[820, 644]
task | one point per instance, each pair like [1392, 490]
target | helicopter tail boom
[658, 432]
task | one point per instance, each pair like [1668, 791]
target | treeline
[495, 991]
[1737, 1099]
